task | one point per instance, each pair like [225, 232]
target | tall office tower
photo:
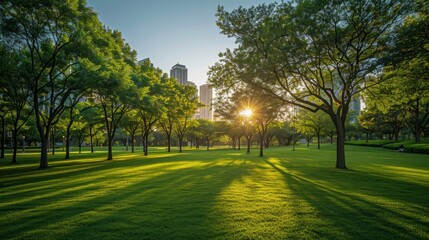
[144, 61]
[206, 95]
[180, 72]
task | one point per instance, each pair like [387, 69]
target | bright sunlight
[246, 112]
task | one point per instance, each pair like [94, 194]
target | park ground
[217, 194]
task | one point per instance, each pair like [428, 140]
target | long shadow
[169, 204]
[361, 213]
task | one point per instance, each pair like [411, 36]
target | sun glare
[246, 113]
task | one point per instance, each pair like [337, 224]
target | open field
[219, 194]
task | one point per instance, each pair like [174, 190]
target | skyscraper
[206, 95]
[180, 72]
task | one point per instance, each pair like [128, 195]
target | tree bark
[249, 139]
[168, 142]
[318, 140]
[132, 143]
[68, 141]
[341, 157]
[208, 143]
[90, 139]
[145, 144]
[44, 152]
[180, 143]
[109, 148]
[3, 137]
[15, 146]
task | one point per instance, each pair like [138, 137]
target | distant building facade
[180, 72]
[206, 96]
[144, 61]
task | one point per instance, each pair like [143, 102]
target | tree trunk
[44, 152]
[3, 137]
[132, 143]
[318, 140]
[67, 142]
[341, 157]
[248, 144]
[208, 143]
[239, 143]
[180, 143]
[261, 146]
[15, 146]
[109, 148]
[90, 139]
[145, 144]
[169, 143]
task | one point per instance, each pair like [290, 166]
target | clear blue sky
[171, 31]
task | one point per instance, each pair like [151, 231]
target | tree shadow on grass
[170, 202]
[357, 205]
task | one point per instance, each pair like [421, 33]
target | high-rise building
[206, 95]
[144, 61]
[180, 72]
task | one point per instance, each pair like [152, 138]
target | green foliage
[318, 55]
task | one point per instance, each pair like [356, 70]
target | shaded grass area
[220, 194]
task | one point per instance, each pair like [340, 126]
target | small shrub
[410, 146]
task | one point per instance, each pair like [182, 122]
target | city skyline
[169, 32]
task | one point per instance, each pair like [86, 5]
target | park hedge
[370, 143]
[409, 146]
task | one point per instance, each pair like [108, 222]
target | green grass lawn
[219, 194]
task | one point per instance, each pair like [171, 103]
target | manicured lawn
[220, 194]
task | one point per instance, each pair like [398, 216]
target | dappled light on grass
[224, 194]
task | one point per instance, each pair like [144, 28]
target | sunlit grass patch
[220, 194]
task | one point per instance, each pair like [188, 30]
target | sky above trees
[171, 31]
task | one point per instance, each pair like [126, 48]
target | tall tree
[116, 91]
[324, 49]
[55, 35]
[131, 125]
[187, 106]
[170, 99]
[151, 96]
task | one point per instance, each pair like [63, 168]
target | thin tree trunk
[90, 139]
[341, 157]
[44, 152]
[168, 142]
[132, 143]
[261, 146]
[109, 148]
[208, 143]
[180, 143]
[318, 140]
[15, 146]
[3, 137]
[239, 143]
[68, 142]
[145, 144]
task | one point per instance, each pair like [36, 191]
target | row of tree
[303, 61]
[60, 65]
[320, 56]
